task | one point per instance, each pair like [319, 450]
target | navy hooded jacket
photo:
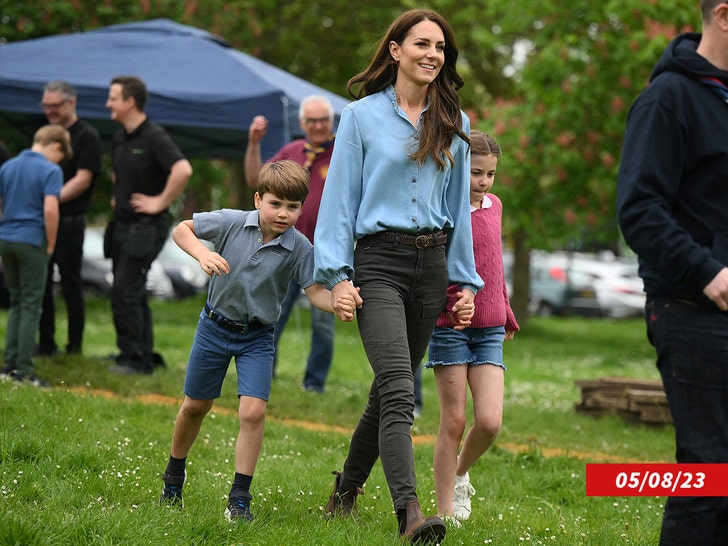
[672, 192]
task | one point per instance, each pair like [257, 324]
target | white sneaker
[461, 497]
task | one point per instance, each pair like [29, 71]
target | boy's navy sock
[241, 482]
[176, 467]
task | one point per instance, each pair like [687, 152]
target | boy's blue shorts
[212, 349]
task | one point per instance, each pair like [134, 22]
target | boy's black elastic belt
[231, 325]
[422, 240]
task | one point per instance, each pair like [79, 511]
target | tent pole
[286, 124]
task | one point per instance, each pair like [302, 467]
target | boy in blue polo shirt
[256, 255]
[30, 188]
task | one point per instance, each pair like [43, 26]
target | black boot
[342, 504]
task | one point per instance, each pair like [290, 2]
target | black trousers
[135, 245]
[68, 257]
[404, 291]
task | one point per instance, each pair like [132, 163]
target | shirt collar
[285, 239]
[392, 96]
[486, 203]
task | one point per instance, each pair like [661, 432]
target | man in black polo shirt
[79, 176]
[150, 172]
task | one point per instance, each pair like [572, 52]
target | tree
[573, 69]
[552, 80]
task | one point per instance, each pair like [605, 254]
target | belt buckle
[239, 327]
[422, 241]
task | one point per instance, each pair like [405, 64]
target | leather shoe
[342, 504]
[420, 529]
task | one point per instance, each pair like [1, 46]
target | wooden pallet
[635, 400]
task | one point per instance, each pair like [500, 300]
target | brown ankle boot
[420, 529]
[342, 504]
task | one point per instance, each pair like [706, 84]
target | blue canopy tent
[204, 92]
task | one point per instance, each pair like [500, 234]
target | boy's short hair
[285, 179]
[50, 134]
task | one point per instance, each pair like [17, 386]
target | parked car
[559, 286]
[184, 271]
[557, 289]
[97, 276]
[619, 288]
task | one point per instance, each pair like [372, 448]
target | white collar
[486, 203]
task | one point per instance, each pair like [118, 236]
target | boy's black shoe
[172, 492]
[238, 507]
[29, 378]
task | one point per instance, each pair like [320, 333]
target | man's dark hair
[131, 86]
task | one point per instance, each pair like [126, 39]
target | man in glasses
[316, 118]
[79, 176]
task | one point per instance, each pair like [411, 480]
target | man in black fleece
[672, 205]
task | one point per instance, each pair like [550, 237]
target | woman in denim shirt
[395, 221]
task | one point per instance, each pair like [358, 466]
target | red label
[657, 479]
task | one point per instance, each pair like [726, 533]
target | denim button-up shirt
[373, 185]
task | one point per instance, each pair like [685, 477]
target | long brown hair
[443, 118]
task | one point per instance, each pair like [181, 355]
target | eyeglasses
[54, 106]
[314, 121]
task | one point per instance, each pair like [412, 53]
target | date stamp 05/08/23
[656, 479]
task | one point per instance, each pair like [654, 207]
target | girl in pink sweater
[474, 356]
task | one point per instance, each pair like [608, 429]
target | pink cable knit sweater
[492, 307]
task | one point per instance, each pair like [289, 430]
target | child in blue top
[256, 255]
[30, 189]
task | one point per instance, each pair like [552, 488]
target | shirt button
[414, 200]
[414, 180]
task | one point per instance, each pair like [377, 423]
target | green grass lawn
[80, 463]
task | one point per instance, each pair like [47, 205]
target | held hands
[463, 309]
[345, 300]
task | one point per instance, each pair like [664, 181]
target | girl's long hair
[443, 118]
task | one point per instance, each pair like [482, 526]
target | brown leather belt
[421, 240]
